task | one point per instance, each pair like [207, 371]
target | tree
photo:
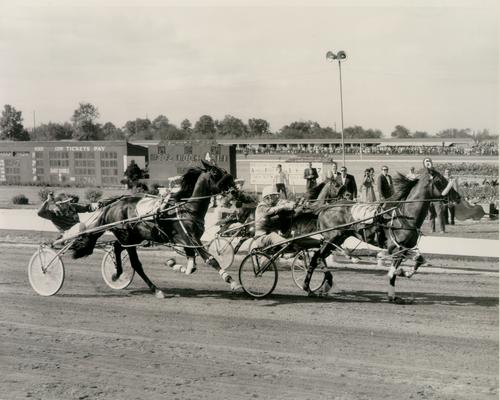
[186, 126]
[140, 128]
[52, 131]
[160, 122]
[454, 133]
[84, 122]
[231, 126]
[258, 127]
[357, 132]
[11, 125]
[205, 127]
[401, 132]
[420, 135]
[111, 132]
[173, 133]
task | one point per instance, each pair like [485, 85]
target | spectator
[367, 194]
[449, 209]
[132, 174]
[333, 174]
[310, 175]
[349, 183]
[411, 175]
[280, 180]
[384, 184]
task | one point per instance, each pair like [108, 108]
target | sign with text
[172, 158]
[261, 173]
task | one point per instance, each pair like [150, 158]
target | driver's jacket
[263, 212]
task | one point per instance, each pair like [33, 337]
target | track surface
[89, 342]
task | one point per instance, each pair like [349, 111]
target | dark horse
[183, 226]
[397, 231]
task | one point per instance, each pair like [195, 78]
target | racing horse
[183, 225]
[397, 231]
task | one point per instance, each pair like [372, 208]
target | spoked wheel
[222, 250]
[46, 271]
[300, 265]
[258, 274]
[108, 270]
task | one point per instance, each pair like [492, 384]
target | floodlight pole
[341, 115]
[341, 55]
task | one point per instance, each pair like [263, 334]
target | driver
[267, 221]
[62, 211]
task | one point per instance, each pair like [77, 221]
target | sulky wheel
[108, 270]
[222, 250]
[46, 271]
[258, 274]
[301, 263]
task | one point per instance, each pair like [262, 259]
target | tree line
[83, 125]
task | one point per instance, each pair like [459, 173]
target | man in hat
[62, 211]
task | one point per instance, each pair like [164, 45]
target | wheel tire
[49, 282]
[108, 268]
[222, 250]
[258, 285]
[300, 265]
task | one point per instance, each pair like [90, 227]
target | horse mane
[316, 190]
[188, 182]
[402, 187]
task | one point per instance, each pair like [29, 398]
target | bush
[93, 195]
[20, 199]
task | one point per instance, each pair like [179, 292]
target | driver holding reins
[62, 211]
[266, 226]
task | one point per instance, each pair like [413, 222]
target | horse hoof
[177, 268]
[189, 271]
[159, 294]
[115, 277]
[235, 286]
[397, 300]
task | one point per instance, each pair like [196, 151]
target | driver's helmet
[269, 191]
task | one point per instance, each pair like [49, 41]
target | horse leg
[117, 250]
[393, 274]
[211, 261]
[191, 261]
[419, 261]
[323, 252]
[137, 266]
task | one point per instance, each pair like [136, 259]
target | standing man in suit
[333, 174]
[310, 175]
[349, 183]
[384, 184]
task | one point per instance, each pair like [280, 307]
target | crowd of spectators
[482, 149]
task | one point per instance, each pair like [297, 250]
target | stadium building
[86, 163]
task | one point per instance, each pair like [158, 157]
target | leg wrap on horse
[191, 266]
[225, 276]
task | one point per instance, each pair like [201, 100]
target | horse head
[441, 188]
[220, 179]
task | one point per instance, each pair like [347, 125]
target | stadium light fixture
[339, 56]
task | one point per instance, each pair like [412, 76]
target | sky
[429, 67]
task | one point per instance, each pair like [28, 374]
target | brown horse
[184, 226]
[397, 231]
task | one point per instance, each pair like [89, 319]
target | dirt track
[89, 342]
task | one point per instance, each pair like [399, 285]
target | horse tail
[84, 245]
